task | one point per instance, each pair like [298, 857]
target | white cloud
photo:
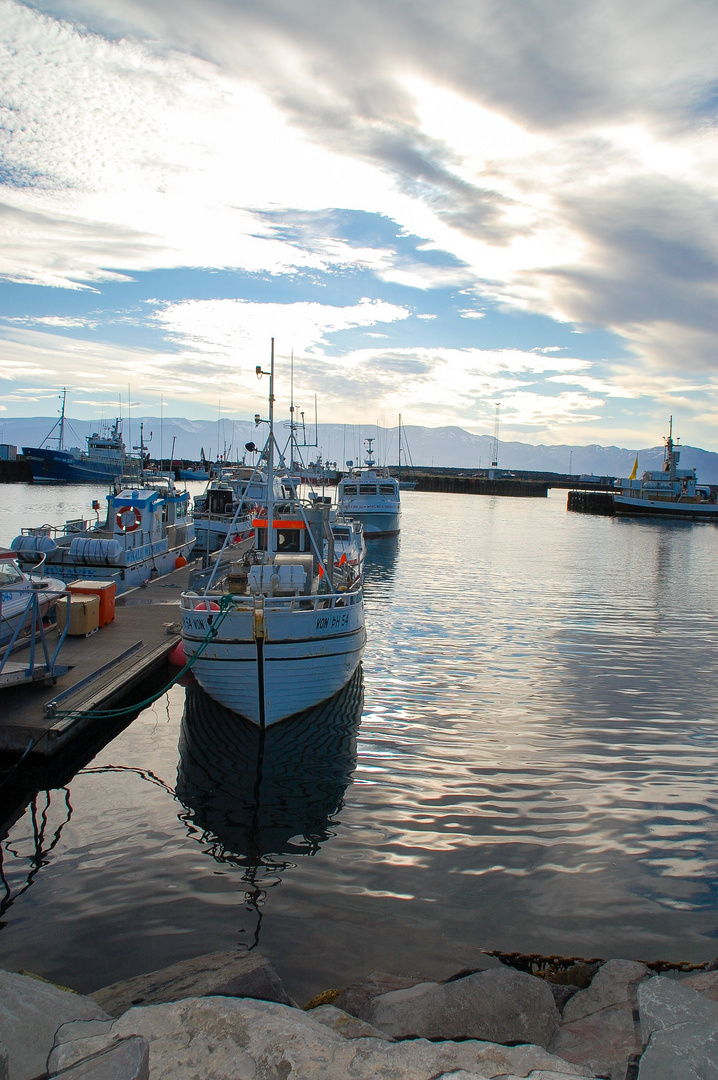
[566, 165]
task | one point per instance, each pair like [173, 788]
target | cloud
[555, 160]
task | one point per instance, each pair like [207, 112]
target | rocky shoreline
[226, 1016]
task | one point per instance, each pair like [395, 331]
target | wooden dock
[104, 669]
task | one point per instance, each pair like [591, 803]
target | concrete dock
[104, 668]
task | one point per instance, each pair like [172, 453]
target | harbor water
[528, 763]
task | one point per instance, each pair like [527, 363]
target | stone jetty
[226, 1016]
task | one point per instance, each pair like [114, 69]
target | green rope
[97, 714]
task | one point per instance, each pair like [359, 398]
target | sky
[432, 207]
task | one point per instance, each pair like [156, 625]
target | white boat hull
[376, 523]
[303, 658]
[14, 606]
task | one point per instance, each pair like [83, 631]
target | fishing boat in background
[147, 531]
[668, 492]
[104, 461]
[283, 629]
[371, 496]
[319, 473]
[224, 511]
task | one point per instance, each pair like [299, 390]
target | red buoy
[177, 657]
[180, 561]
[206, 605]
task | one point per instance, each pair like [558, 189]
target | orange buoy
[206, 605]
[177, 657]
[180, 561]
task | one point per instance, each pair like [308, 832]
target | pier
[104, 669]
[591, 502]
[480, 485]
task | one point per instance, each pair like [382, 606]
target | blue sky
[434, 207]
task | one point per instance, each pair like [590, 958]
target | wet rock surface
[235, 974]
[624, 1023]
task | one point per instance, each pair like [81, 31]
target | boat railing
[30, 621]
[243, 601]
[69, 528]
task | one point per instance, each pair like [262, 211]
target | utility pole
[495, 448]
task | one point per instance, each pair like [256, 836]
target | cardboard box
[104, 589]
[84, 615]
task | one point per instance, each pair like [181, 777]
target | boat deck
[103, 668]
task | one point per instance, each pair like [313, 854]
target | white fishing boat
[16, 590]
[148, 532]
[668, 492]
[284, 629]
[371, 496]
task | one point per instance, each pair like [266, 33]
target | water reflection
[382, 555]
[257, 797]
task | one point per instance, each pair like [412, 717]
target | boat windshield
[9, 575]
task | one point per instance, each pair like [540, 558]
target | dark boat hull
[57, 466]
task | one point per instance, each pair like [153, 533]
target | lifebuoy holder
[120, 518]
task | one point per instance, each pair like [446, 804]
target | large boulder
[355, 997]
[343, 1023]
[233, 973]
[31, 1011]
[503, 1006]
[614, 982]
[705, 982]
[680, 1026]
[242, 1039]
[665, 1003]
[125, 1059]
[604, 1042]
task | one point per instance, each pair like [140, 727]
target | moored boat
[668, 492]
[148, 528]
[284, 629]
[371, 496]
[17, 589]
[105, 460]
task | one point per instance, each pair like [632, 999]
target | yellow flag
[634, 470]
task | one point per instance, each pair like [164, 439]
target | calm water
[529, 765]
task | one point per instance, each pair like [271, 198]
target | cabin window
[367, 489]
[387, 489]
[350, 489]
[9, 575]
[288, 539]
[341, 534]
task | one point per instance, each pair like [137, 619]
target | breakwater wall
[591, 502]
[479, 485]
[15, 472]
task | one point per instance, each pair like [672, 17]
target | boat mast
[270, 459]
[670, 461]
[61, 438]
[400, 446]
[270, 452]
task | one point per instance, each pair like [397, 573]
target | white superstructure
[371, 495]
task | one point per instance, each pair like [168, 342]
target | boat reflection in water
[261, 798]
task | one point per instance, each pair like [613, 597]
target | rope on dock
[97, 714]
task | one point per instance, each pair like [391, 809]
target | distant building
[8, 452]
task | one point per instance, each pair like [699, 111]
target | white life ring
[120, 519]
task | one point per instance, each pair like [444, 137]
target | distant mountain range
[449, 447]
